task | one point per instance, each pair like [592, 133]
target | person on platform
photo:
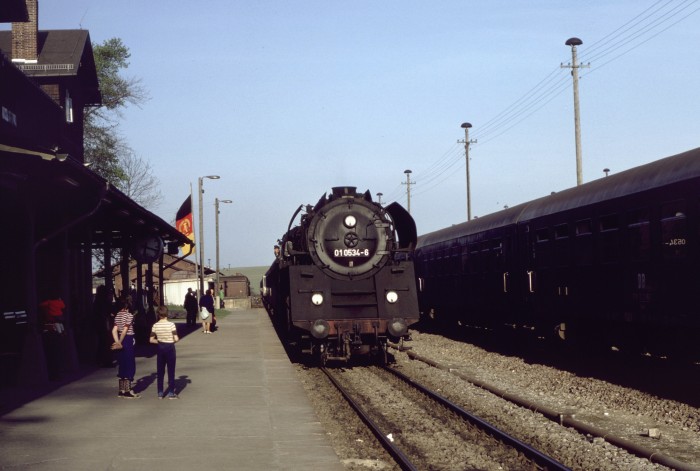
[206, 302]
[53, 332]
[191, 307]
[124, 341]
[164, 333]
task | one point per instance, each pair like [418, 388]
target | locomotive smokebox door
[349, 239]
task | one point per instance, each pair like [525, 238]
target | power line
[554, 83]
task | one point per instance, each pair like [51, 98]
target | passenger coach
[611, 261]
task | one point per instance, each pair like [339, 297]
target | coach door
[524, 276]
[563, 289]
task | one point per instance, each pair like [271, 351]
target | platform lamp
[216, 211]
[201, 232]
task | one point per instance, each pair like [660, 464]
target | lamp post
[379, 195]
[201, 231]
[216, 211]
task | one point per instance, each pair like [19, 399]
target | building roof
[62, 53]
[74, 196]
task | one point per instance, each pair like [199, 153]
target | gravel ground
[625, 412]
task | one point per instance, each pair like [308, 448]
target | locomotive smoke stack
[340, 191]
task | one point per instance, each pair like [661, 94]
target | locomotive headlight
[350, 221]
[320, 329]
[392, 296]
[397, 327]
[317, 299]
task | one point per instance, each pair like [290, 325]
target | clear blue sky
[287, 99]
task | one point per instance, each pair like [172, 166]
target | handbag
[204, 314]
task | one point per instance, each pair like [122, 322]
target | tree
[117, 91]
[105, 149]
[107, 152]
[139, 183]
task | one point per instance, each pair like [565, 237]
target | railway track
[612, 429]
[422, 430]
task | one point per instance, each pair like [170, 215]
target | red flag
[183, 222]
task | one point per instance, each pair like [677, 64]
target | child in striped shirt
[165, 335]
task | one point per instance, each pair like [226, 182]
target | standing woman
[207, 302]
[123, 335]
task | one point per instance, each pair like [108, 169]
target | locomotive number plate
[351, 253]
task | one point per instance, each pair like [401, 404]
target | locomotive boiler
[344, 281]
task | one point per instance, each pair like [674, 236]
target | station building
[56, 210]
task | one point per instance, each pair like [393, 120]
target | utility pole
[200, 190]
[466, 143]
[408, 188]
[573, 42]
[216, 211]
[379, 198]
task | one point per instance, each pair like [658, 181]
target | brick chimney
[24, 36]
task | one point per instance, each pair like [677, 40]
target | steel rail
[401, 459]
[567, 420]
[532, 453]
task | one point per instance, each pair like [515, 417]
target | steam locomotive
[613, 262]
[344, 282]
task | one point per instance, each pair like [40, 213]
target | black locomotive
[344, 282]
[613, 261]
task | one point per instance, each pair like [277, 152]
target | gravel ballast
[668, 427]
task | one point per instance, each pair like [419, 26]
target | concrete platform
[241, 407]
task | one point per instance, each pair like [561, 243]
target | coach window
[609, 235]
[561, 231]
[674, 236]
[584, 227]
[465, 256]
[562, 245]
[472, 248]
[496, 253]
[639, 230]
[583, 243]
[543, 249]
[455, 266]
